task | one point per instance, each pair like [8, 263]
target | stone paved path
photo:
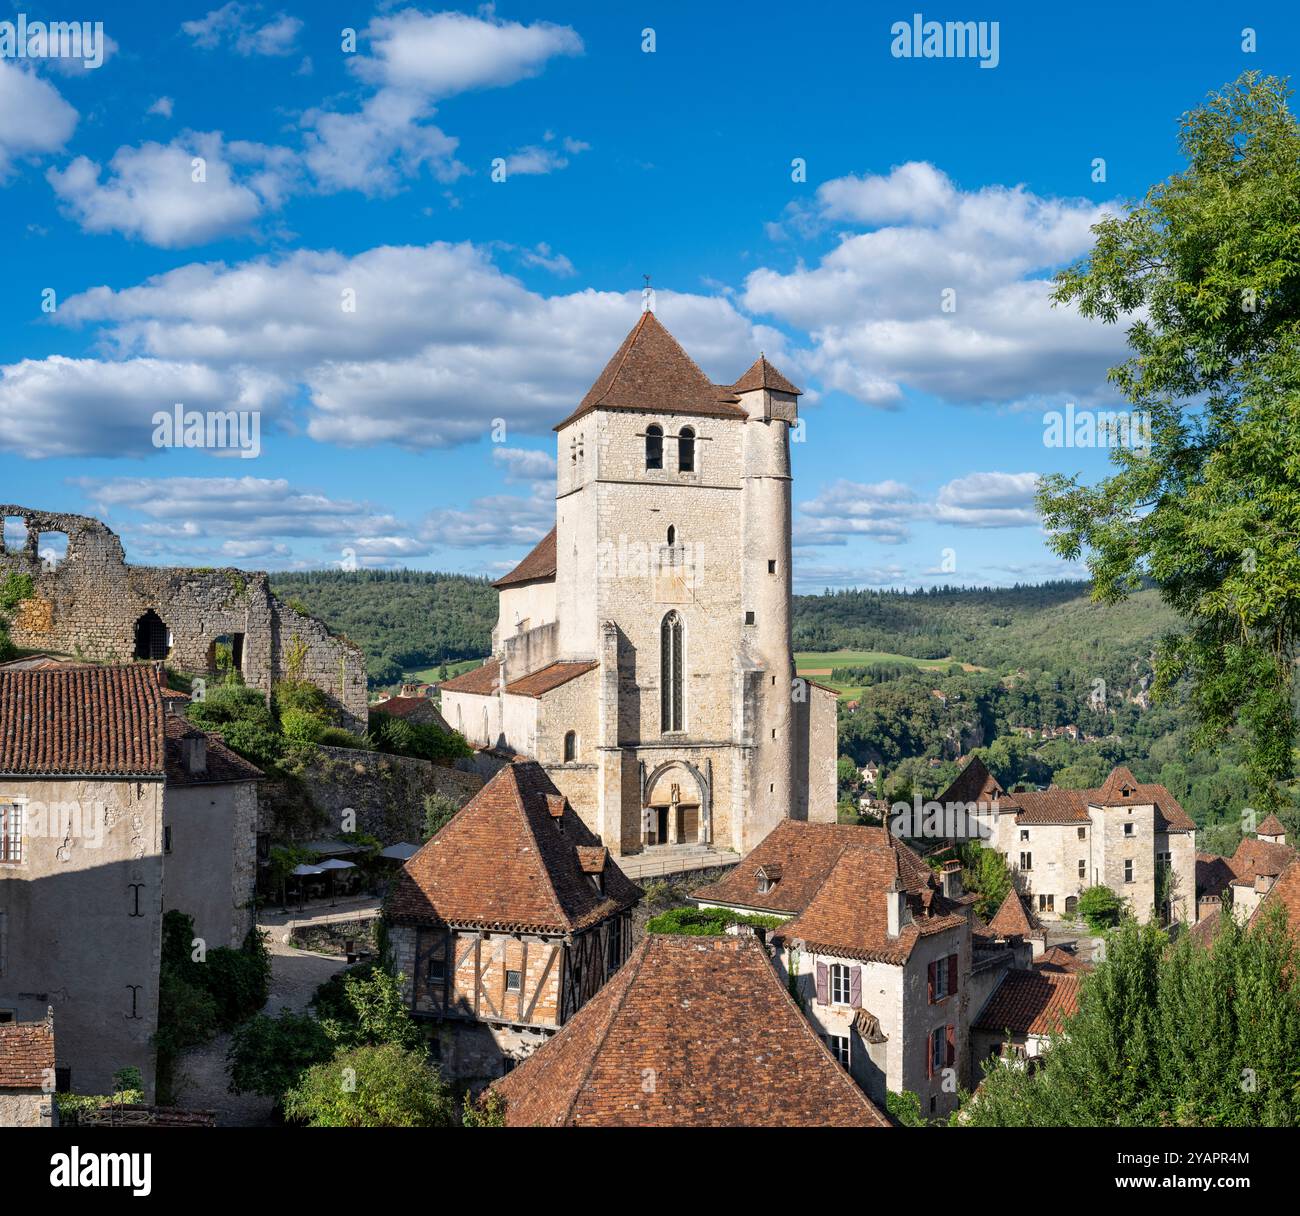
[201, 1072]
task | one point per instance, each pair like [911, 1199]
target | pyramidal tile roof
[763, 375]
[1272, 826]
[504, 862]
[1011, 919]
[651, 371]
[710, 1020]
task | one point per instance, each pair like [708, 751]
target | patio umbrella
[332, 865]
[399, 852]
[301, 872]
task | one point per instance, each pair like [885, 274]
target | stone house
[692, 1032]
[880, 955]
[1024, 1010]
[506, 923]
[27, 1073]
[1263, 870]
[110, 814]
[89, 603]
[1121, 835]
[642, 651]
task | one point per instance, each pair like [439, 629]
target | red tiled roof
[651, 371]
[1031, 1002]
[1202, 933]
[806, 853]
[481, 680]
[762, 374]
[82, 721]
[26, 1054]
[539, 564]
[710, 1022]
[848, 916]
[1213, 874]
[1285, 891]
[1255, 857]
[502, 863]
[406, 707]
[1058, 958]
[548, 678]
[1052, 806]
[1272, 826]
[976, 784]
[221, 764]
[1011, 919]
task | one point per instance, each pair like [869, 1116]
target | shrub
[488, 1111]
[371, 1086]
[364, 1005]
[703, 922]
[1101, 908]
[267, 1055]
[299, 726]
[438, 812]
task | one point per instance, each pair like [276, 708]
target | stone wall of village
[89, 603]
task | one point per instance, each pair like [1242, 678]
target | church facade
[642, 651]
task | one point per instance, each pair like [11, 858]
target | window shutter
[952, 974]
[952, 1044]
[929, 981]
[855, 987]
[822, 995]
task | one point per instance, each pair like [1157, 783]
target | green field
[429, 675]
[818, 664]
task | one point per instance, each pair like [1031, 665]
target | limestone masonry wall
[90, 603]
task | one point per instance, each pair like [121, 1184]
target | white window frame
[839, 981]
[1128, 869]
[18, 809]
[519, 980]
[841, 1048]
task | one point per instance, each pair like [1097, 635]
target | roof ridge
[617, 1005]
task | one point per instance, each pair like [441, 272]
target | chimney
[895, 907]
[952, 886]
[196, 754]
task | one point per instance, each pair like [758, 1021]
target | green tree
[1204, 273]
[1101, 908]
[365, 1005]
[489, 1110]
[438, 811]
[267, 1055]
[371, 1086]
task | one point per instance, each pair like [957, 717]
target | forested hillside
[402, 619]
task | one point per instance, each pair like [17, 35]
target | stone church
[642, 650]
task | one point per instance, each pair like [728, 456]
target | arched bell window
[686, 451]
[672, 668]
[654, 447]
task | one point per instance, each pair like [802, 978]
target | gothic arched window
[654, 447]
[671, 672]
[686, 451]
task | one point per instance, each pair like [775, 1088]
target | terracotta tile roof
[651, 371]
[762, 374]
[539, 564]
[848, 916]
[709, 1020]
[976, 784]
[1121, 788]
[1053, 806]
[1272, 826]
[481, 680]
[1030, 1002]
[1202, 933]
[26, 1053]
[1255, 857]
[221, 764]
[548, 678]
[82, 720]
[406, 707]
[1058, 958]
[1011, 919]
[592, 858]
[1285, 891]
[503, 863]
[806, 853]
[1071, 806]
[1213, 874]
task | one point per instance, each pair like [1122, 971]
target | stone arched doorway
[676, 806]
[152, 637]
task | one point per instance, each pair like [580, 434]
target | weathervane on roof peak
[647, 296]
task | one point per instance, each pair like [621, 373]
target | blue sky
[370, 172]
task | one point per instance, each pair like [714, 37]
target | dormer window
[654, 447]
[766, 877]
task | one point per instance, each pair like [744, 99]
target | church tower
[642, 652]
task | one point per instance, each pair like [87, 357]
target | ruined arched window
[152, 638]
[654, 447]
[686, 451]
[570, 745]
[671, 672]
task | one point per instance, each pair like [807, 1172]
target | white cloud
[162, 107]
[34, 118]
[441, 342]
[87, 407]
[534, 160]
[150, 193]
[989, 500]
[235, 26]
[441, 54]
[874, 303]
[525, 464]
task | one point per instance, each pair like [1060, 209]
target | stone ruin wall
[88, 602]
